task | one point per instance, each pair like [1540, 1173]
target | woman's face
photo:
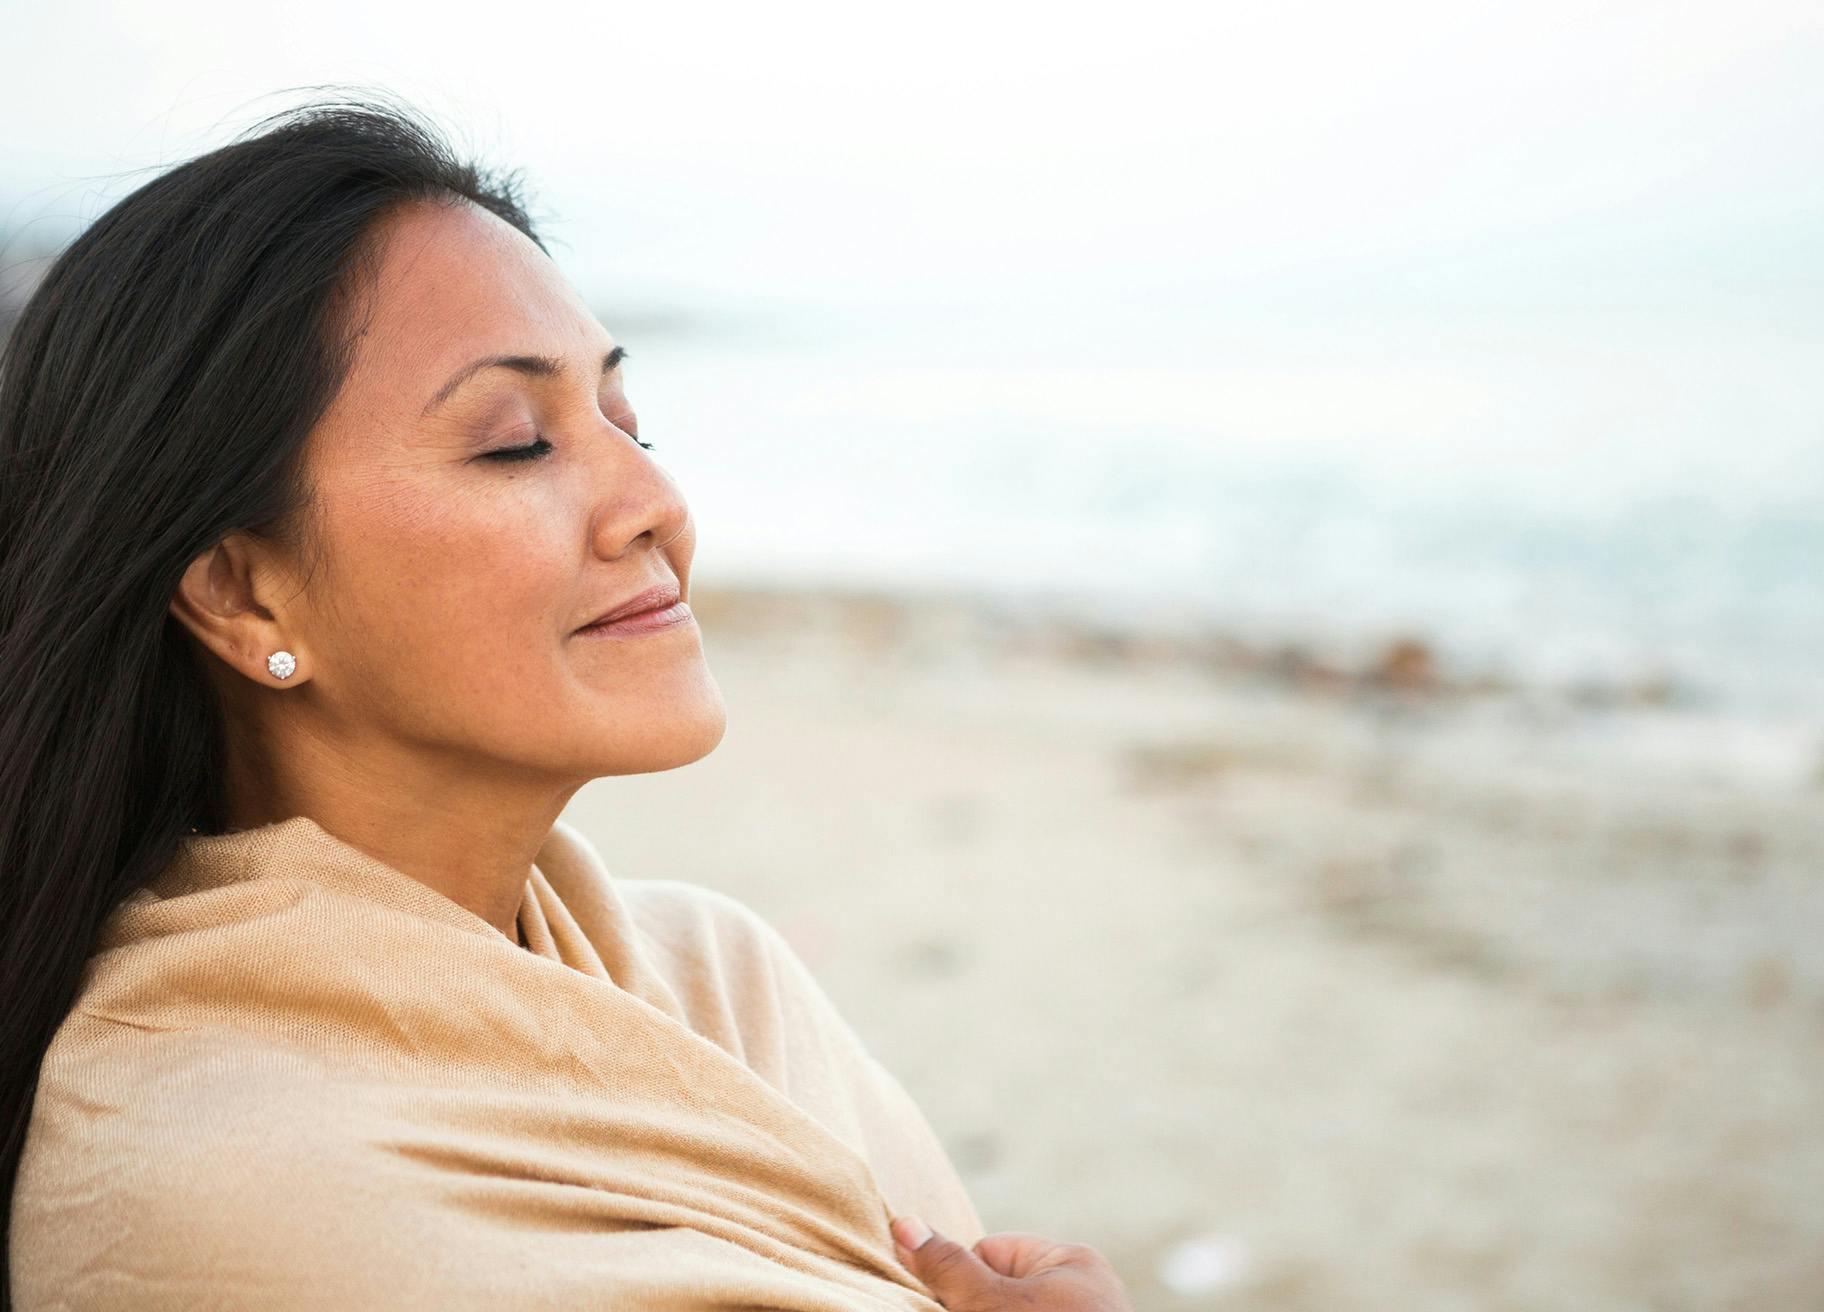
[444, 617]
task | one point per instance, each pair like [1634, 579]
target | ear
[225, 598]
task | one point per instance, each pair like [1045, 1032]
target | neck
[470, 835]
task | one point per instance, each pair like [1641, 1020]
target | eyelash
[538, 449]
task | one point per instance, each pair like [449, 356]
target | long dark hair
[155, 395]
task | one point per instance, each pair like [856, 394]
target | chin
[689, 731]
[706, 733]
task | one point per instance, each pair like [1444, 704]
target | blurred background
[1264, 562]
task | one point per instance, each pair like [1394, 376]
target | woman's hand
[1009, 1270]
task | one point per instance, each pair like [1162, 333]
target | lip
[646, 621]
[657, 607]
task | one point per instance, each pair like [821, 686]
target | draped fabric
[296, 1077]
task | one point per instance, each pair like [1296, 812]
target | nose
[635, 499]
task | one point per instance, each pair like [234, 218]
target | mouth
[656, 608]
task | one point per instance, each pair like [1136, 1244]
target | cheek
[462, 594]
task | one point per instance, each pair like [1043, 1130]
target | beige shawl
[297, 1077]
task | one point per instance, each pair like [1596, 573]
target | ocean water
[1606, 498]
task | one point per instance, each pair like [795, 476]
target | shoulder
[675, 903]
[668, 909]
[709, 933]
[735, 977]
[744, 985]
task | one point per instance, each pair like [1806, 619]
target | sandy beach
[1285, 984]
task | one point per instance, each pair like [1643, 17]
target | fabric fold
[297, 1077]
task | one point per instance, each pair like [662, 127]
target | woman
[331, 566]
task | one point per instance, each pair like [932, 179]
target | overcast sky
[1651, 154]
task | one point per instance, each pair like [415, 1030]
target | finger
[1014, 1253]
[952, 1272]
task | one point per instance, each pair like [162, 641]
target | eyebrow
[532, 366]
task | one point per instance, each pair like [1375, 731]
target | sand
[1286, 986]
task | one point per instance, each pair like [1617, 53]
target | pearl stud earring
[281, 664]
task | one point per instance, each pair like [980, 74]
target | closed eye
[538, 448]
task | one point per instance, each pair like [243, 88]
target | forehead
[450, 283]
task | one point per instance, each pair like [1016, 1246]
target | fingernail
[910, 1232]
